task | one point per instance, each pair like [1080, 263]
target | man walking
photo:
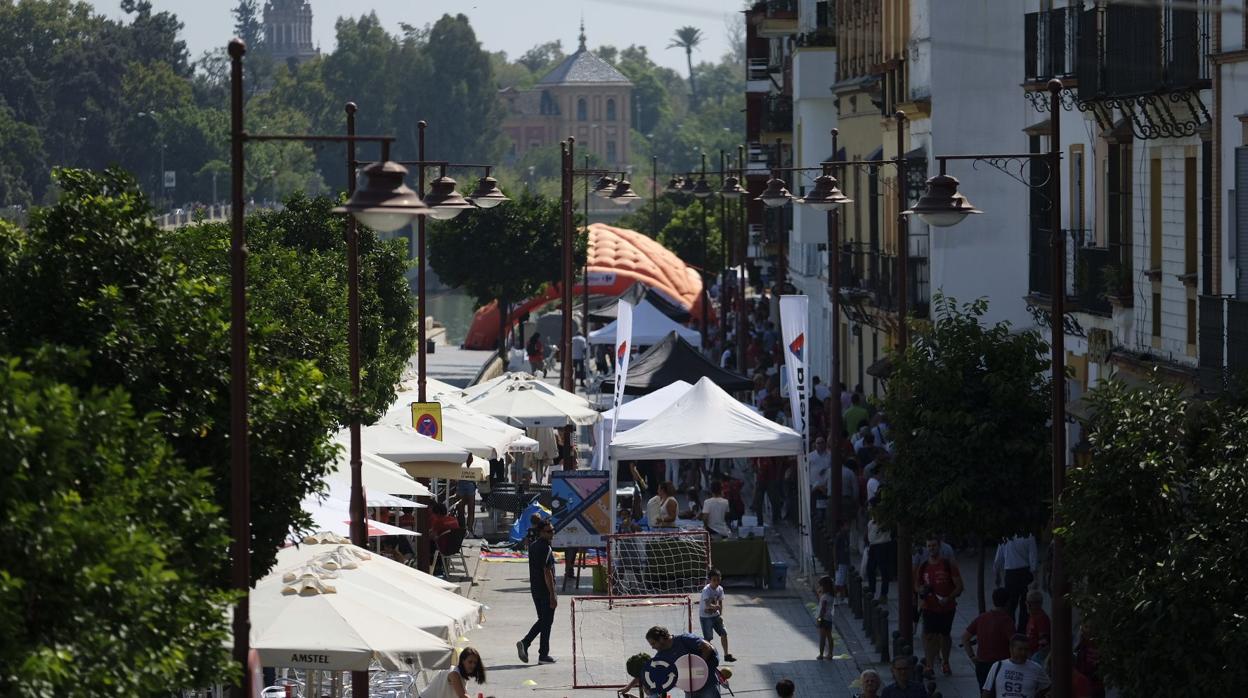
[938, 582]
[819, 465]
[1016, 677]
[579, 347]
[1018, 559]
[991, 631]
[904, 684]
[542, 587]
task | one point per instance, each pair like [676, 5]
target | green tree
[506, 253]
[104, 536]
[543, 57]
[967, 404]
[148, 310]
[688, 38]
[682, 234]
[463, 109]
[1151, 527]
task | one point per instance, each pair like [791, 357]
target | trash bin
[430, 346]
[779, 575]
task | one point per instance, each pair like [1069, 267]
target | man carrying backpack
[938, 582]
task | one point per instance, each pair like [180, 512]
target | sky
[513, 26]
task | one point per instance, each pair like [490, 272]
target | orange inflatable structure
[618, 258]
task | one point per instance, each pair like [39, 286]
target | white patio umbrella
[334, 515]
[405, 445]
[319, 545]
[484, 439]
[379, 476]
[387, 586]
[312, 623]
[528, 404]
[474, 391]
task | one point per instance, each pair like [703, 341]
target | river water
[454, 310]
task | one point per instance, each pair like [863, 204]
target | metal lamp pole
[565, 350]
[742, 249]
[240, 454]
[654, 196]
[905, 581]
[585, 274]
[705, 296]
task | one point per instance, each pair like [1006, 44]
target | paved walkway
[772, 635]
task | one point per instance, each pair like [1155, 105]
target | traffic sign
[427, 419]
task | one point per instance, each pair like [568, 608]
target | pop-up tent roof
[633, 414]
[671, 360]
[650, 326]
[706, 422]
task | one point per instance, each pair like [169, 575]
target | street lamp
[383, 202]
[943, 206]
[623, 193]
[487, 194]
[776, 194]
[674, 185]
[445, 201]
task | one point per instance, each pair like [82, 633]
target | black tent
[671, 360]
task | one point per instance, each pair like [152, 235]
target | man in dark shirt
[904, 684]
[668, 648]
[542, 587]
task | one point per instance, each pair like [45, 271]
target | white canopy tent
[650, 326]
[706, 422]
[633, 414]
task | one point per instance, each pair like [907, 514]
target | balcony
[1127, 50]
[775, 18]
[1093, 275]
[1050, 44]
[1221, 342]
[757, 76]
[867, 272]
[777, 115]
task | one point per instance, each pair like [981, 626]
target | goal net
[607, 630]
[646, 564]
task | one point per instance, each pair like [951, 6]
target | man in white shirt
[715, 511]
[579, 347]
[822, 393]
[1016, 677]
[819, 467]
[1015, 568]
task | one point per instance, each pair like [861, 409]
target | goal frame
[677, 599]
[703, 535]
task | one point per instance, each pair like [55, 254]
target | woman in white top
[661, 509]
[454, 683]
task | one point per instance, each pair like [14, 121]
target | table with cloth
[743, 557]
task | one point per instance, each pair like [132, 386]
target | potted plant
[1116, 285]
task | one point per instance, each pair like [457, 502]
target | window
[1155, 222]
[1156, 314]
[582, 110]
[1189, 216]
[610, 151]
[1078, 206]
[1191, 325]
[610, 110]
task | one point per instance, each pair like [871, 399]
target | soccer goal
[657, 563]
[607, 630]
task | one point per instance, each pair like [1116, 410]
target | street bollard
[864, 598]
[853, 592]
[884, 655]
[868, 619]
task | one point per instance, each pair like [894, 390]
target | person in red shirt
[992, 632]
[938, 582]
[440, 525]
[1038, 627]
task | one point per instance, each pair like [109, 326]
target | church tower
[288, 30]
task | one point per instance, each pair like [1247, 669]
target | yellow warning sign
[427, 419]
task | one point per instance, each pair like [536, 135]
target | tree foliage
[682, 233]
[509, 252]
[1154, 545]
[104, 533]
[967, 404]
[148, 312]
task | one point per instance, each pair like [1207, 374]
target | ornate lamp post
[943, 206]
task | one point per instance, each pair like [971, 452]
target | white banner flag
[793, 319]
[793, 325]
[623, 348]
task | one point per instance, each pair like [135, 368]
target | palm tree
[688, 38]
